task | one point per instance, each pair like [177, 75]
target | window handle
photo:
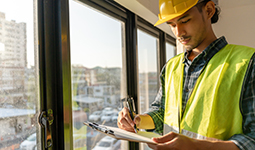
[45, 120]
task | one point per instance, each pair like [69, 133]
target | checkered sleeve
[157, 108]
[246, 141]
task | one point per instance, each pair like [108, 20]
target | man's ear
[209, 9]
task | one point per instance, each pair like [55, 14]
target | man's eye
[173, 25]
[186, 21]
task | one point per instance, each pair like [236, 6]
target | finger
[166, 138]
[126, 115]
[158, 146]
[137, 120]
[123, 123]
[125, 127]
[152, 146]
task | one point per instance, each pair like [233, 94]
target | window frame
[55, 65]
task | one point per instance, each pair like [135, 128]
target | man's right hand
[125, 122]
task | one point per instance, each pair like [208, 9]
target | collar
[210, 50]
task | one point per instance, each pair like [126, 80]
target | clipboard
[120, 134]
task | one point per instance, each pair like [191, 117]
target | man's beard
[189, 47]
[183, 38]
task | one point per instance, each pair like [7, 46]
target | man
[207, 94]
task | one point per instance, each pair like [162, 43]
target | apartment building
[17, 82]
[12, 61]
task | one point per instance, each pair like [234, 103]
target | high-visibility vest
[213, 108]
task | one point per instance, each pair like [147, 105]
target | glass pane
[98, 83]
[170, 51]
[19, 94]
[148, 77]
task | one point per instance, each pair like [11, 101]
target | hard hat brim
[169, 17]
[160, 21]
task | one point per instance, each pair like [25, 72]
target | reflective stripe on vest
[212, 111]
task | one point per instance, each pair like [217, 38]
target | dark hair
[215, 17]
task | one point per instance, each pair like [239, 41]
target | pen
[131, 108]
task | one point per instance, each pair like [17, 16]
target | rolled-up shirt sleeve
[246, 141]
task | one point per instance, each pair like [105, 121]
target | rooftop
[12, 112]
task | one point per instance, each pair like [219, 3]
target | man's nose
[179, 31]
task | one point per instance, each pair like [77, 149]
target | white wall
[237, 24]
[147, 9]
[237, 18]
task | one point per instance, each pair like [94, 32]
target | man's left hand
[174, 141]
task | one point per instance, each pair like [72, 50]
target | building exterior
[16, 121]
[13, 61]
[96, 87]
[13, 43]
[148, 89]
[17, 82]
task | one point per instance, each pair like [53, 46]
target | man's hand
[142, 121]
[125, 122]
[174, 141]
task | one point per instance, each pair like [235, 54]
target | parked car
[107, 109]
[107, 116]
[29, 143]
[115, 116]
[108, 143]
[95, 116]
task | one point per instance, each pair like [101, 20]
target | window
[170, 51]
[148, 77]
[19, 86]
[97, 72]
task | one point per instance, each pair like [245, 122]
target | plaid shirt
[245, 141]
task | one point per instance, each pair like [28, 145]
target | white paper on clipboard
[141, 136]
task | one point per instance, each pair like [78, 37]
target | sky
[21, 11]
[95, 38]
[87, 33]
[101, 43]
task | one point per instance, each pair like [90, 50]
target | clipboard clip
[100, 128]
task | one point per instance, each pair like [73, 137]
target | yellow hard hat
[170, 9]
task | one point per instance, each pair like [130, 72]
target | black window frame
[55, 65]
